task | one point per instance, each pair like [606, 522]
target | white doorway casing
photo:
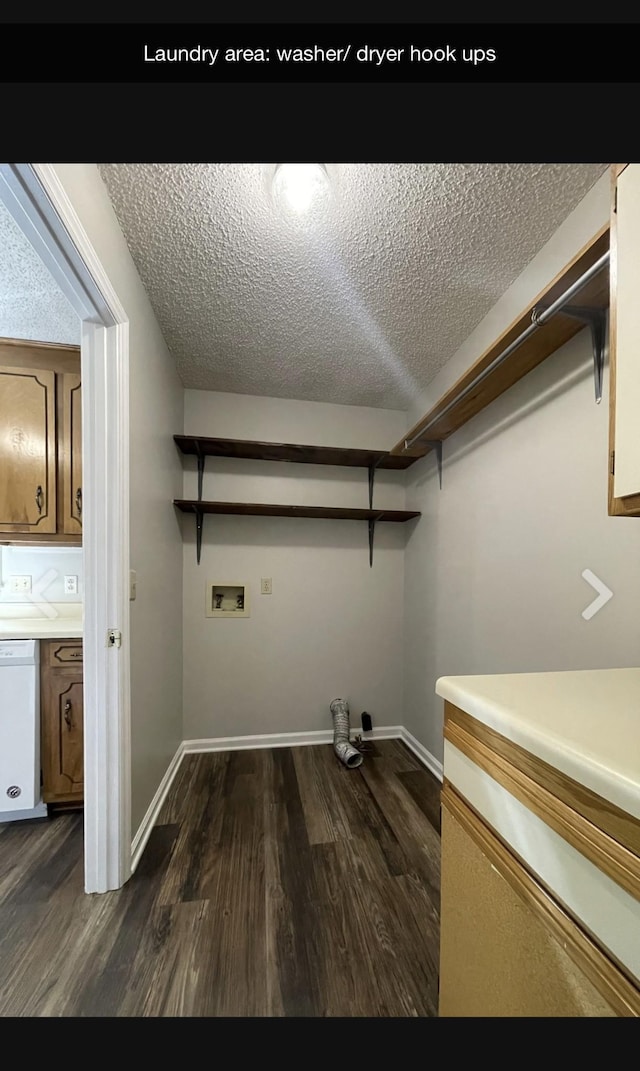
[37, 201]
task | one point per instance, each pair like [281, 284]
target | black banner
[350, 53]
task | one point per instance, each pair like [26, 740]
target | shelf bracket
[372, 476]
[198, 512]
[436, 445]
[199, 522]
[200, 472]
[597, 321]
[372, 529]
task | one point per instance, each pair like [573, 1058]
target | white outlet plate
[266, 587]
[71, 585]
[20, 584]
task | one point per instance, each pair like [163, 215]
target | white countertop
[585, 723]
[23, 621]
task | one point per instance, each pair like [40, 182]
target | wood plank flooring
[275, 883]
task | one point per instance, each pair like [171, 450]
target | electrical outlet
[265, 586]
[20, 584]
[71, 585]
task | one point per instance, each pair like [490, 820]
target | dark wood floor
[275, 883]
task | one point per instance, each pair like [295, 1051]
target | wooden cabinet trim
[629, 506]
[620, 825]
[608, 978]
[70, 454]
[64, 652]
[551, 798]
[50, 356]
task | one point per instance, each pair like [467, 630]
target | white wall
[156, 413]
[333, 626]
[493, 569]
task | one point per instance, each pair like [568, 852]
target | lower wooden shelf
[260, 509]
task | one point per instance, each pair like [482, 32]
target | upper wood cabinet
[624, 342]
[41, 444]
[28, 450]
[70, 453]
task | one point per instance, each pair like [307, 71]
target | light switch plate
[133, 584]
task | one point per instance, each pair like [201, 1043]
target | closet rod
[539, 321]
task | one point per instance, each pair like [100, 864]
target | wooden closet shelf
[259, 509]
[465, 399]
[203, 446]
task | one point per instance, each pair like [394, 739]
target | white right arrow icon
[604, 594]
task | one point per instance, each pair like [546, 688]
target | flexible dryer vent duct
[346, 752]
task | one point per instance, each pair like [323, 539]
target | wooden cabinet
[540, 886]
[61, 721]
[498, 955]
[41, 449]
[70, 454]
[624, 379]
[28, 450]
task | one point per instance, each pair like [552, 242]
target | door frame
[38, 202]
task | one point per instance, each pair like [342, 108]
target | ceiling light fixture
[300, 187]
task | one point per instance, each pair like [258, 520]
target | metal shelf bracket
[436, 445]
[372, 523]
[372, 529]
[372, 476]
[200, 456]
[199, 523]
[597, 320]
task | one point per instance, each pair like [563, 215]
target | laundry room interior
[366, 685]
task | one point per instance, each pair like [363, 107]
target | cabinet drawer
[63, 653]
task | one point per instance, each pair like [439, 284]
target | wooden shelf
[259, 509]
[200, 446]
[205, 446]
[535, 349]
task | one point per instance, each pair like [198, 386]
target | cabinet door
[27, 450]
[70, 454]
[62, 735]
[624, 377]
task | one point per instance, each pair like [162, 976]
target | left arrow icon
[604, 594]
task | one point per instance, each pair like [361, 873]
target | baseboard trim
[421, 752]
[139, 842]
[315, 736]
[264, 740]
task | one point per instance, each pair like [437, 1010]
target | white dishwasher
[20, 795]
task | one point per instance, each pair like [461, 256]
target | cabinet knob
[79, 501]
[39, 498]
[67, 714]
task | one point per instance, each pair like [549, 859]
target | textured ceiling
[31, 304]
[362, 301]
